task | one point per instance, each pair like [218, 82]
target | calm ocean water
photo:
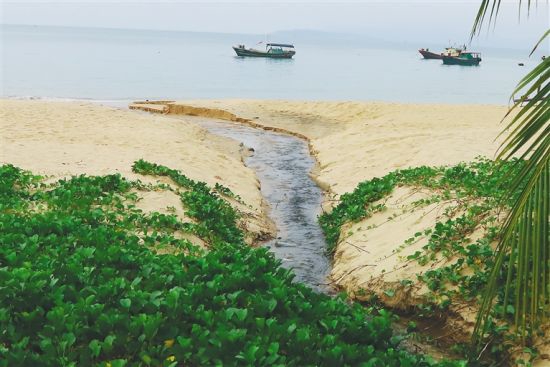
[108, 64]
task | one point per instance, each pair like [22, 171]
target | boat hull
[430, 55]
[451, 60]
[256, 53]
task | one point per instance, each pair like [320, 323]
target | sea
[122, 65]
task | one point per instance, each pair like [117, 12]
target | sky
[439, 21]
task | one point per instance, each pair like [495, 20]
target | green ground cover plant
[82, 283]
[461, 265]
[478, 179]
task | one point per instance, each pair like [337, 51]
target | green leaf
[95, 347]
[146, 359]
[272, 303]
[185, 343]
[273, 348]
[250, 354]
[389, 292]
[125, 302]
[119, 362]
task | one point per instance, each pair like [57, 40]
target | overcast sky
[411, 20]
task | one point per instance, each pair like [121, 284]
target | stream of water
[282, 164]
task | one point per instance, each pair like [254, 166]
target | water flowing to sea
[282, 164]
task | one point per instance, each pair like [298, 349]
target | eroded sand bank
[354, 141]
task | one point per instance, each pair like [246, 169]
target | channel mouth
[282, 164]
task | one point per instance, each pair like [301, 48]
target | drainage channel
[282, 164]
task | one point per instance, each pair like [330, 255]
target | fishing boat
[427, 54]
[449, 51]
[272, 50]
[465, 58]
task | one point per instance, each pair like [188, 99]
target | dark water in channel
[282, 164]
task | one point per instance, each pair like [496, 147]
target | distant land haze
[391, 21]
[114, 64]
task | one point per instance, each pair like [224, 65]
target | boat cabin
[470, 55]
[279, 48]
[452, 51]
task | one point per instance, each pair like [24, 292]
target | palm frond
[494, 6]
[540, 41]
[525, 243]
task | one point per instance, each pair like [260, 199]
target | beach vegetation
[457, 256]
[83, 283]
[476, 179]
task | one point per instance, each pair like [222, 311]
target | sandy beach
[185, 183]
[351, 141]
[60, 139]
[355, 141]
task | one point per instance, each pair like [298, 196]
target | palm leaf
[494, 5]
[540, 41]
[525, 245]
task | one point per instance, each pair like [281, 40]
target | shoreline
[199, 100]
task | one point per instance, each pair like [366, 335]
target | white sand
[355, 141]
[62, 139]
